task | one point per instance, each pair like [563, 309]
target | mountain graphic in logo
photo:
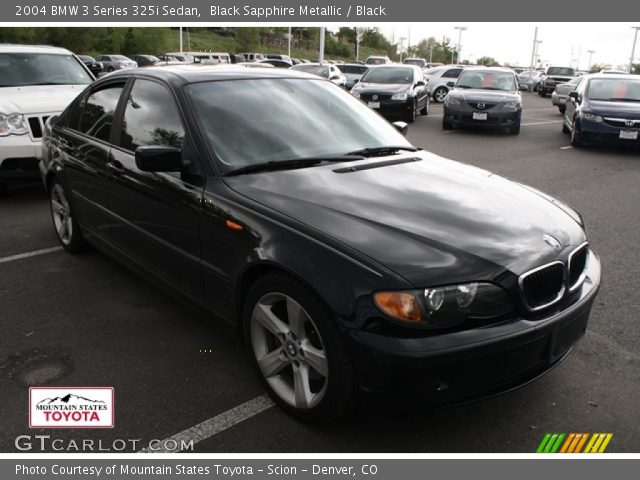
[68, 399]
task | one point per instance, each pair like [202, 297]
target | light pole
[590, 52]
[402, 39]
[430, 53]
[460, 30]
[633, 49]
[289, 41]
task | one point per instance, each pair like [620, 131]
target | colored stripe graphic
[574, 443]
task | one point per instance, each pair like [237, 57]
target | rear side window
[98, 111]
[151, 117]
[452, 73]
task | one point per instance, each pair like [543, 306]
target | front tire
[515, 129]
[576, 137]
[297, 350]
[64, 221]
[425, 109]
[4, 189]
[446, 124]
[411, 115]
[562, 108]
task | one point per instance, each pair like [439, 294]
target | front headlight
[444, 307]
[14, 124]
[512, 105]
[591, 117]
[449, 100]
[355, 94]
[399, 96]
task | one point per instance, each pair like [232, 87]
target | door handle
[115, 166]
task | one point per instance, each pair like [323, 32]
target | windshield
[247, 122]
[353, 69]
[565, 72]
[320, 70]
[487, 80]
[121, 57]
[388, 75]
[23, 69]
[375, 61]
[614, 89]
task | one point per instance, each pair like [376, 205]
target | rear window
[359, 69]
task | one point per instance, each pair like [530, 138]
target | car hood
[423, 219]
[37, 98]
[628, 109]
[366, 87]
[480, 95]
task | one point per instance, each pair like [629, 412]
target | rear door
[156, 214]
[85, 146]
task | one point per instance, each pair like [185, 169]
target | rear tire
[64, 221]
[297, 350]
[439, 94]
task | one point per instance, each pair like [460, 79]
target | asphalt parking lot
[86, 320]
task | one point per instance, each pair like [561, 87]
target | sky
[513, 42]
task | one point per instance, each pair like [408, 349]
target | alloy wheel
[61, 212]
[289, 350]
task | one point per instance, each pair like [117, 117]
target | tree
[488, 62]
[248, 39]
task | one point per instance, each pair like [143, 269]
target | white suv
[438, 79]
[35, 83]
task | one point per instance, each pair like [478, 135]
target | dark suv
[552, 77]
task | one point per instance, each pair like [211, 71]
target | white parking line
[568, 147]
[35, 253]
[216, 424]
[540, 123]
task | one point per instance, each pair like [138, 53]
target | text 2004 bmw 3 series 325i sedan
[349, 260]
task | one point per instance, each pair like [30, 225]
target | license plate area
[629, 134]
[374, 104]
[480, 115]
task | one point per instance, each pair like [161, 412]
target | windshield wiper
[292, 164]
[464, 86]
[382, 151]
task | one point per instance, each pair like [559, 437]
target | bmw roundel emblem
[551, 241]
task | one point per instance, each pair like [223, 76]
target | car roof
[200, 73]
[614, 76]
[490, 69]
[14, 48]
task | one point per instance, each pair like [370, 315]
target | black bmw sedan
[484, 97]
[604, 109]
[349, 261]
[394, 91]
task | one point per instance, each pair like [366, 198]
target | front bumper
[603, 133]
[495, 118]
[393, 108]
[19, 157]
[467, 365]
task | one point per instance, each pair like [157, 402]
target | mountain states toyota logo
[71, 407]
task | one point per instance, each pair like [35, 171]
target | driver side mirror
[575, 96]
[158, 158]
[334, 77]
[451, 84]
[402, 127]
[420, 83]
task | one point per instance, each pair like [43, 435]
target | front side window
[151, 117]
[98, 111]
